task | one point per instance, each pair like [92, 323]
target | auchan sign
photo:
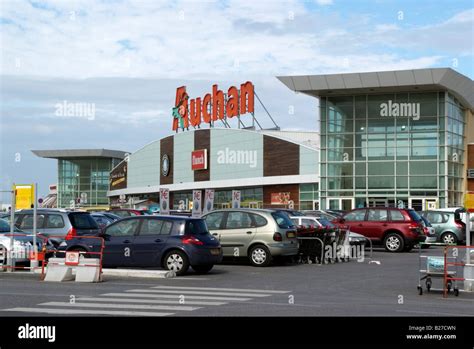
[213, 106]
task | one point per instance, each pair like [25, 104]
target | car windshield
[326, 223]
[296, 213]
[282, 220]
[196, 227]
[82, 221]
[414, 215]
[426, 221]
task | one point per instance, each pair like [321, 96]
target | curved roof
[414, 80]
[80, 153]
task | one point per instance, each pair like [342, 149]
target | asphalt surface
[384, 285]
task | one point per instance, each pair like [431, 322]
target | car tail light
[277, 237]
[71, 234]
[415, 226]
[191, 240]
[459, 224]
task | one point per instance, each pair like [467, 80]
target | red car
[396, 229]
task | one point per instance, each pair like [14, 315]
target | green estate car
[449, 228]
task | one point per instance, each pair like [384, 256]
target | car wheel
[260, 256]
[449, 238]
[4, 253]
[202, 269]
[393, 242]
[177, 261]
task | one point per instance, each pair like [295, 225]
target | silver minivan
[257, 234]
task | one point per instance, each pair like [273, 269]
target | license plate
[291, 234]
[215, 251]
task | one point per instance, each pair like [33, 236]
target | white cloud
[324, 2]
[206, 39]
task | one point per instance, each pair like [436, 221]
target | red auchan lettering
[213, 107]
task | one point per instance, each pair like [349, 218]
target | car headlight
[63, 244]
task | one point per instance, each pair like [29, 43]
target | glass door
[316, 205]
[422, 204]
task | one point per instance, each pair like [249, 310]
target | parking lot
[384, 285]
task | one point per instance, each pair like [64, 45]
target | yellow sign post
[24, 195]
[469, 201]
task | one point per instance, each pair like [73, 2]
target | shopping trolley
[433, 268]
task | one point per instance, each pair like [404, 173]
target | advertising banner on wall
[199, 160]
[118, 176]
[235, 198]
[164, 201]
[280, 198]
[208, 201]
[197, 203]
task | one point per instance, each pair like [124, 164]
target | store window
[309, 196]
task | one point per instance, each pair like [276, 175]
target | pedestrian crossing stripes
[154, 301]
[214, 293]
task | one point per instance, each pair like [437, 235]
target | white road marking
[70, 311]
[212, 293]
[151, 301]
[148, 295]
[221, 289]
[121, 306]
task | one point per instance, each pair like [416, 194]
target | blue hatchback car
[172, 242]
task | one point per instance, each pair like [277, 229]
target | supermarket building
[270, 168]
[392, 138]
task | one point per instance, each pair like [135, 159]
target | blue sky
[127, 58]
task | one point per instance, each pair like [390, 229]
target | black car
[172, 242]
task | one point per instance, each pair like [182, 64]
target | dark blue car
[174, 243]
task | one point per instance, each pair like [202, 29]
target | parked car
[127, 212]
[22, 244]
[396, 229]
[102, 220]
[336, 213]
[310, 225]
[429, 230]
[448, 226]
[59, 224]
[460, 214]
[258, 234]
[289, 212]
[171, 242]
[320, 214]
[109, 215]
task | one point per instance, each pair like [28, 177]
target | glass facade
[309, 196]
[391, 149]
[84, 177]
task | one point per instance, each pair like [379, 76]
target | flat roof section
[414, 80]
[80, 153]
